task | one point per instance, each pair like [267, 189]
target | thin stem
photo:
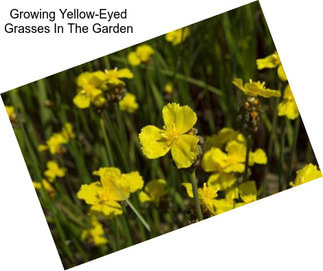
[196, 196]
[293, 151]
[133, 208]
[106, 141]
[246, 163]
[282, 160]
[270, 147]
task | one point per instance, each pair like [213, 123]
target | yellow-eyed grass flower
[179, 120]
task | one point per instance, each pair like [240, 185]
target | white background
[281, 232]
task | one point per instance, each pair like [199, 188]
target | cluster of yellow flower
[94, 85]
[52, 172]
[55, 144]
[287, 107]
[106, 195]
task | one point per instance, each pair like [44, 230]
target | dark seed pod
[249, 114]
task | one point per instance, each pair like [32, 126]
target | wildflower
[95, 234]
[222, 138]
[128, 103]
[272, 61]
[178, 121]
[215, 160]
[307, 173]
[11, 113]
[223, 180]
[44, 184]
[104, 195]
[169, 89]
[255, 88]
[178, 36]
[55, 143]
[142, 54]
[53, 171]
[67, 131]
[90, 86]
[207, 196]
[113, 76]
[288, 106]
[154, 190]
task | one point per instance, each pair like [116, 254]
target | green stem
[293, 151]
[246, 163]
[196, 196]
[282, 184]
[106, 141]
[133, 208]
[270, 147]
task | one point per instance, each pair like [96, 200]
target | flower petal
[82, 100]
[152, 142]
[180, 118]
[185, 150]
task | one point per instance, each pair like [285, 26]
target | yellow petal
[133, 59]
[271, 61]
[281, 73]
[307, 173]
[144, 197]
[144, 52]
[89, 192]
[288, 108]
[82, 100]
[152, 143]
[108, 208]
[189, 189]
[135, 181]
[214, 160]
[248, 191]
[185, 150]
[125, 73]
[258, 157]
[179, 118]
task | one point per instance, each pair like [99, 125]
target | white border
[281, 232]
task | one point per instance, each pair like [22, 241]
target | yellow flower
[255, 88]
[157, 142]
[169, 89]
[128, 103]
[113, 76]
[288, 106]
[104, 195]
[90, 86]
[11, 113]
[57, 140]
[95, 234]
[223, 180]
[222, 138]
[272, 61]
[53, 171]
[178, 36]
[44, 184]
[142, 54]
[215, 160]
[133, 59]
[307, 173]
[154, 190]
[207, 196]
